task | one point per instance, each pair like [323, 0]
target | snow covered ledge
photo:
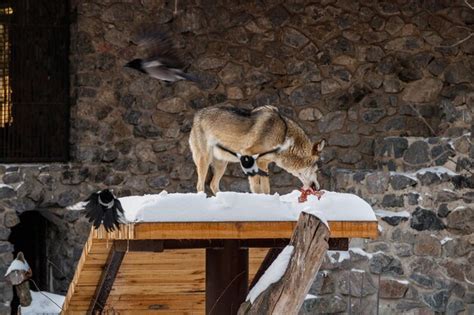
[237, 207]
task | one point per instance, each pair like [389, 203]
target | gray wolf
[224, 133]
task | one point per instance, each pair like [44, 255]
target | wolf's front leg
[254, 182]
[264, 180]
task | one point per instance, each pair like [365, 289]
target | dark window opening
[34, 81]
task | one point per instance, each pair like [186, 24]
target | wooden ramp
[160, 268]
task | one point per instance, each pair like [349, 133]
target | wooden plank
[139, 245]
[107, 281]
[231, 230]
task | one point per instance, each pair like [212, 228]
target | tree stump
[18, 274]
[286, 296]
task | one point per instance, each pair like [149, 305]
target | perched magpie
[162, 62]
[104, 207]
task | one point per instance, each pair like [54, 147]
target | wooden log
[310, 242]
[23, 293]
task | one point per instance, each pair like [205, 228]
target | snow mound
[17, 265]
[44, 303]
[233, 206]
[272, 274]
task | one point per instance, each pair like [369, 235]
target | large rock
[332, 121]
[423, 219]
[392, 200]
[427, 245]
[7, 192]
[422, 91]
[417, 153]
[384, 264]
[392, 288]
[461, 219]
[458, 72]
[377, 183]
[327, 304]
[399, 182]
[345, 140]
[360, 282]
[437, 301]
[294, 38]
[231, 73]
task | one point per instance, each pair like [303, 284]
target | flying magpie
[162, 61]
[103, 207]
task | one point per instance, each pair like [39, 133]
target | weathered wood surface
[310, 241]
[114, 261]
[173, 281]
[24, 293]
[231, 230]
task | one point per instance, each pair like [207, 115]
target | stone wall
[353, 72]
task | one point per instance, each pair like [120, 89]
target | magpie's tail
[99, 214]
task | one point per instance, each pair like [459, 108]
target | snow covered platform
[178, 250]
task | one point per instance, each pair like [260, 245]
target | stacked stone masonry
[388, 84]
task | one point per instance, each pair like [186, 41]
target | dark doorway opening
[30, 237]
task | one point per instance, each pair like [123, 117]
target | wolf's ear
[318, 146]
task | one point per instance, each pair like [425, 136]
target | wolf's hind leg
[218, 167]
[202, 164]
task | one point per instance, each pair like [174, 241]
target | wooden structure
[183, 267]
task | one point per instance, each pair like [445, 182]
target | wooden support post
[310, 242]
[106, 282]
[226, 278]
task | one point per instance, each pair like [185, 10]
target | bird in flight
[162, 61]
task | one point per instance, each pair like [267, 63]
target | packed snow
[438, 170]
[17, 265]
[272, 274]
[445, 240]
[310, 297]
[43, 303]
[338, 256]
[234, 206]
[386, 213]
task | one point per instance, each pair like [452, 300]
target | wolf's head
[308, 165]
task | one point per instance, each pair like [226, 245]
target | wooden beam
[231, 230]
[242, 243]
[106, 282]
[286, 296]
[155, 246]
[338, 243]
[227, 272]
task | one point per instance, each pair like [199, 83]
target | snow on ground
[233, 206]
[44, 303]
[272, 274]
[386, 213]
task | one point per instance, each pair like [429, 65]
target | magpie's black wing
[99, 214]
[95, 212]
[159, 47]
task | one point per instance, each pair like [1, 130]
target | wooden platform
[162, 266]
